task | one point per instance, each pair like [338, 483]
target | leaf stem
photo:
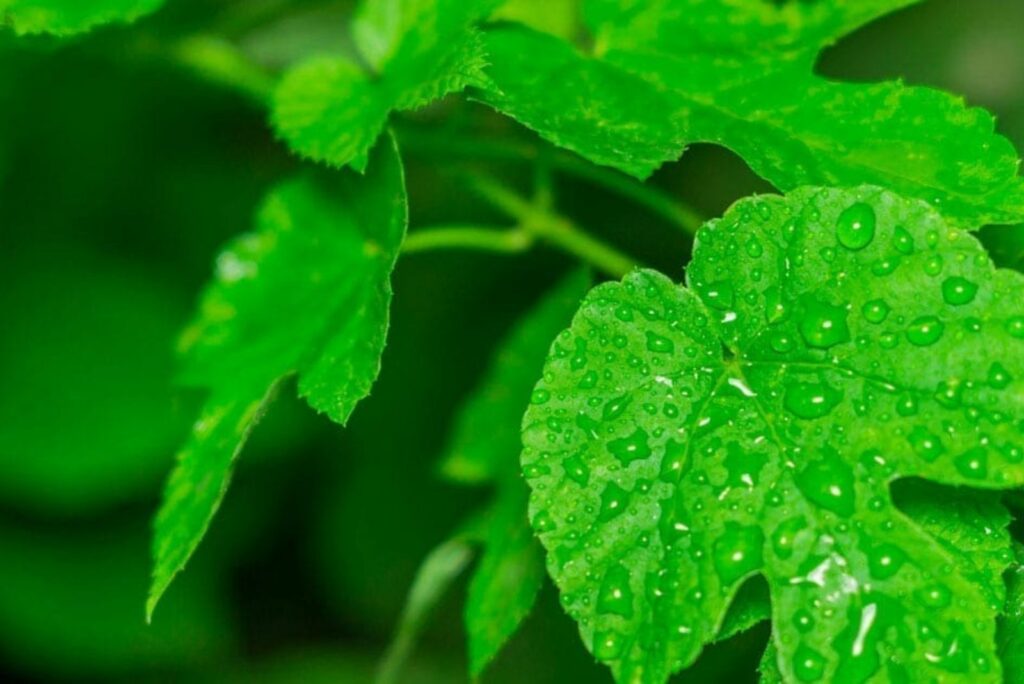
[440, 145]
[468, 237]
[554, 228]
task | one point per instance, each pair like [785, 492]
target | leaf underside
[321, 260]
[685, 439]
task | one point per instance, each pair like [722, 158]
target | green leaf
[683, 440]
[308, 293]
[486, 439]
[562, 19]
[507, 580]
[740, 74]
[1011, 626]
[439, 569]
[67, 17]
[332, 110]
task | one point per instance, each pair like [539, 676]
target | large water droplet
[615, 595]
[925, 331]
[875, 311]
[855, 228]
[958, 291]
[658, 344]
[615, 407]
[973, 463]
[808, 664]
[608, 645]
[738, 551]
[631, 448]
[784, 536]
[885, 560]
[828, 482]
[810, 400]
[998, 376]
[576, 469]
[614, 500]
[925, 444]
[823, 325]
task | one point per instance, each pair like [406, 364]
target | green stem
[442, 146]
[467, 237]
[554, 229]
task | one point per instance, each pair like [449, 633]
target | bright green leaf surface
[66, 17]
[322, 260]
[740, 74]
[331, 110]
[683, 440]
[1011, 628]
[486, 438]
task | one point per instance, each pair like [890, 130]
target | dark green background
[120, 175]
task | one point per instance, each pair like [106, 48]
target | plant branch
[468, 237]
[554, 228]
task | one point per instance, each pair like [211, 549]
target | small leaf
[505, 584]
[68, 17]
[740, 74]
[829, 343]
[331, 110]
[308, 293]
[437, 572]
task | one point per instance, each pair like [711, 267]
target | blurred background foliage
[121, 173]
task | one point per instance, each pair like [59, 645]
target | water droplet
[885, 560]
[1015, 326]
[784, 536]
[823, 325]
[630, 448]
[624, 313]
[576, 469]
[855, 228]
[934, 596]
[973, 463]
[738, 551]
[808, 664]
[925, 331]
[810, 400]
[614, 500]
[903, 241]
[589, 380]
[543, 522]
[958, 291]
[607, 645]
[998, 376]
[540, 396]
[720, 295]
[803, 620]
[925, 444]
[658, 344]
[615, 407]
[615, 595]
[781, 342]
[875, 311]
[828, 482]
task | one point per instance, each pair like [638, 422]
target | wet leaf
[829, 343]
[740, 74]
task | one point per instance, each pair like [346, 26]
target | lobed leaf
[321, 260]
[685, 439]
[332, 109]
[68, 17]
[1011, 625]
[740, 74]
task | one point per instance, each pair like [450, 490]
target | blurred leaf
[67, 17]
[86, 415]
[70, 606]
[562, 19]
[439, 569]
[321, 262]
[331, 110]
